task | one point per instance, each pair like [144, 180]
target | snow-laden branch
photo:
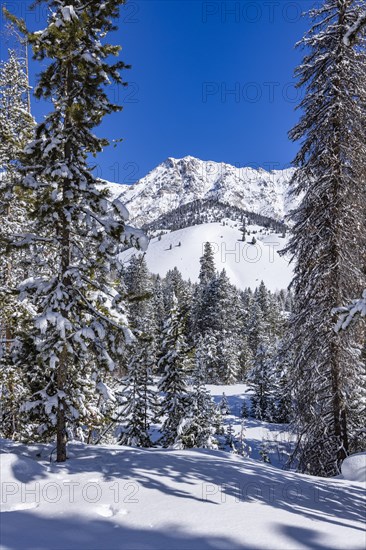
[354, 29]
[348, 314]
[98, 314]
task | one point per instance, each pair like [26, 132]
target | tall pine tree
[16, 128]
[175, 403]
[78, 229]
[329, 237]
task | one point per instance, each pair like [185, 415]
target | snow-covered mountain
[184, 203]
[176, 182]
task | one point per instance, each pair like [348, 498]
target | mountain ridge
[176, 182]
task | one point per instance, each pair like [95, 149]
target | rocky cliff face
[176, 182]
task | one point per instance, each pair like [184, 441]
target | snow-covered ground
[354, 468]
[246, 264]
[112, 497]
[275, 438]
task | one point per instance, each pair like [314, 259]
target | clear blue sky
[212, 79]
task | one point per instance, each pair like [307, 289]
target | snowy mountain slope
[245, 264]
[119, 498]
[179, 181]
[210, 211]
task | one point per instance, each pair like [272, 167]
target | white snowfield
[122, 498]
[354, 468]
[111, 497]
[246, 264]
[176, 182]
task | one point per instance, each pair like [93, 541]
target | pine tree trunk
[65, 239]
[339, 283]
[27, 73]
[61, 419]
[8, 331]
[62, 369]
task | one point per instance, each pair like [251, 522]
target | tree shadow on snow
[67, 533]
[221, 475]
[307, 538]
[213, 478]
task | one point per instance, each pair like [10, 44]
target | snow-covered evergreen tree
[217, 314]
[261, 381]
[16, 127]
[141, 311]
[16, 123]
[175, 402]
[198, 427]
[203, 301]
[262, 298]
[257, 327]
[245, 359]
[139, 285]
[13, 391]
[159, 309]
[275, 319]
[223, 309]
[230, 438]
[282, 364]
[174, 285]
[206, 349]
[242, 446]
[246, 300]
[228, 357]
[78, 229]
[138, 400]
[208, 270]
[264, 452]
[224, 405]
[243, 230]
[329, 237]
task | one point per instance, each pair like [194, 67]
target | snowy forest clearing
[119, 497]
[114, 497]
[275, 439]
